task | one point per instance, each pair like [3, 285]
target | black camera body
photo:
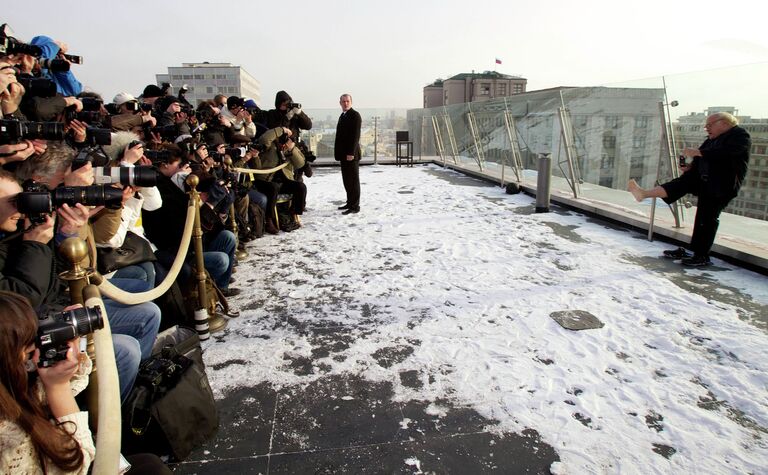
[37, 87]
[158, 156]
[90, 155]
[14, 131]
[293, 105]
[54, 331]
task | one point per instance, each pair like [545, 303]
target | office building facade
[206, 80]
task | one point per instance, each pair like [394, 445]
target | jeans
[134, 329]
[258, 198]
[219, 257]
[143, 271]
[127, 359]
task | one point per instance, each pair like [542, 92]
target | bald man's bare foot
[635, 189]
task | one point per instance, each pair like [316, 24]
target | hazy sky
[384, 53]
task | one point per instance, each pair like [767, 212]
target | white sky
[385, 52]
[473, 276]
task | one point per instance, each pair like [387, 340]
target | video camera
[10, 45]
[14, 131]
[37, 200]
[54, 331]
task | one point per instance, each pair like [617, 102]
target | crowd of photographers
[74, 165]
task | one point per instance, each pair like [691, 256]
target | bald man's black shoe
[351, 211]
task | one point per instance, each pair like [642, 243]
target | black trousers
[708, 210]
[350, 175]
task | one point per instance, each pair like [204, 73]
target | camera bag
[171, 410]
[134, 250]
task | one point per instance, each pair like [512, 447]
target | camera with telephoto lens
[158, 156]
[55, 331]
[37, 87]
[55, 65]
[13, 131]
[167, 132]
[10, 45]
[128, 176]
[37, 200]
[294, 105]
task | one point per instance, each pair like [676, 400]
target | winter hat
[152, 91]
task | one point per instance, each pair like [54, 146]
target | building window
[641, 122]
[501, 89]
[607, 162]
[209, 90]
[199, 76]
[517, 88]
[485, 89]
[609, 141]
[612, 122]
[638, 142]
[187, 76]
[176, 76]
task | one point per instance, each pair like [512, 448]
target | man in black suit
[347, 151]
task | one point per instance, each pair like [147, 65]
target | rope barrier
[253, 171]
[107, 459]
[128, 298]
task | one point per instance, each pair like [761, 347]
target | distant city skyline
[384, 54]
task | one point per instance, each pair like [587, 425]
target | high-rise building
[472, 87]
[206, 80]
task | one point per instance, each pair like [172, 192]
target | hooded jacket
[66, 82]
[277, 118]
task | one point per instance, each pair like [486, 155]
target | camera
[92, 155]
[258, 146]
[167, 132]
[37, 200]
[37, 87]
[294, 105]
[128, 176]
[14, 130]
[55, 65]
[10, 45]
[145, 107]
[54, 331]
[161, 156]
[73, 58]
[235, 152]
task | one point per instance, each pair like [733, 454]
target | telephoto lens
[54, 65]
[127, 176]
[94, 195]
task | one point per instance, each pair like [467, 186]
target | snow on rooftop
[457, 280]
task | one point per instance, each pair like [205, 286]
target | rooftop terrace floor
[416, 337]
